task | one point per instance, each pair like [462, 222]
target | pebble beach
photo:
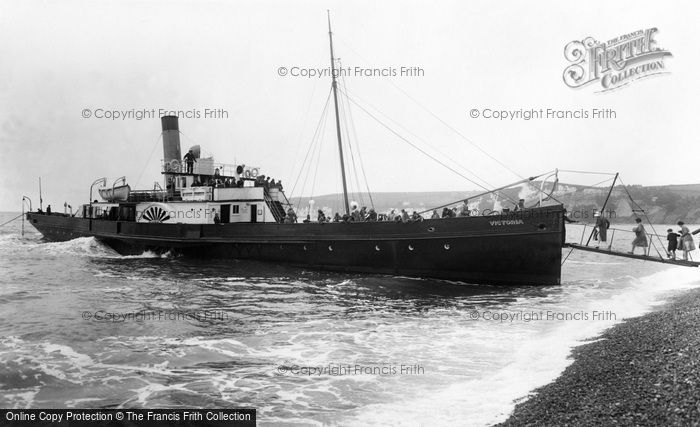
[644, 371]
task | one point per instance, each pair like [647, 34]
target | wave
[82, 247]
[529, 355]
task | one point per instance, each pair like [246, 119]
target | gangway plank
[680, 262]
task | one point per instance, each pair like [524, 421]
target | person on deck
[363, 213]
[336, 217]
[355, 214]
[464, 210]
[404, 216]
[435, 214]
[189, 161]
[217, 173]
[640, 238]
[601, 227]
[392, 215]
[445, 212]
[48, 210]
[321, 217]
[567, 220]
[672, 238]
[291, 217]
[415, 217]
[687, 243]
[372, 215]
[308, 219]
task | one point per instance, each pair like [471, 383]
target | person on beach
[640, 238]
[687, 243]
[672, 243]
[601, 227]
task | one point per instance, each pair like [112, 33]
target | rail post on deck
[97, 181]
[24, 200]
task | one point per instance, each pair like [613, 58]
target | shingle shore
[644, 371]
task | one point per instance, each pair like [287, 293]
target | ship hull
[522, 248]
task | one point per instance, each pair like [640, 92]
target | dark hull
[520, 249]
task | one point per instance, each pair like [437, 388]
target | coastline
[644, 371]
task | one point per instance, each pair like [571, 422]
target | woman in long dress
[687, 243]
[640, 237]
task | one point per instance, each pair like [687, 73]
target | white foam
[537, 354]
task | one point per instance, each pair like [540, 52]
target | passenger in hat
[640, 238]
[601, 228]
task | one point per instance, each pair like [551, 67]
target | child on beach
[672, 243]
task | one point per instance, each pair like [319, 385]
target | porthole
[447, 246]
[410, 247]
[431, 229]
[330, 248]
[376, 248]
[304, 247]
[542, 226]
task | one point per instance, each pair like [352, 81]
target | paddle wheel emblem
[155, 214]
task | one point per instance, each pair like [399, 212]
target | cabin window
[235, 209]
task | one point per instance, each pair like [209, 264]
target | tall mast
[337, 118]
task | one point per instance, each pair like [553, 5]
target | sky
[61, 59]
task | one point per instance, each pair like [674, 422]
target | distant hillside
[663, 204]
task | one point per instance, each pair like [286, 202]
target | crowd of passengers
[370, 215]
[218, 181]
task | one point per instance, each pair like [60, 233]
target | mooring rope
[17, 217]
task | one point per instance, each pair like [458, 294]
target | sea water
[83, 327]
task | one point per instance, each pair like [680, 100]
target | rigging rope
[312, 144]
[316, 144]
[417, 137]
[472, 143]
[357, 143]
[648, 220]
[352, 154]
[138, 180]
[418, 148]
[7, 222]
[301, 129]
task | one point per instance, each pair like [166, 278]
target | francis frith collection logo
[615, 63]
